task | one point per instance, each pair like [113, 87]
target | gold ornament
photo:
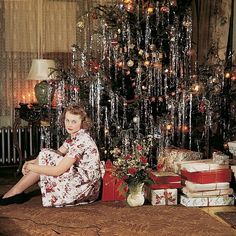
[146, 63]
[157, 65]
[152, 47]
[80, 24]
[127, 1]
[169, 126]
[130, 63]
[140, 52]
[150, 10]
[131, 46]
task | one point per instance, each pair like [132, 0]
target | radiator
[28, 140]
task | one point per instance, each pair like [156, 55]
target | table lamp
[41, 70]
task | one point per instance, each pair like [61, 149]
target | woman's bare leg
[25, 182]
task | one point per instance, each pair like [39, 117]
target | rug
[108, 219]
[229, 217]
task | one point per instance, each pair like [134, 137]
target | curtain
[211, 25]
[30, 30]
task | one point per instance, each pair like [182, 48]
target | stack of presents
[183, 177]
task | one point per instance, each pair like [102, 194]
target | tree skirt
[107, 218]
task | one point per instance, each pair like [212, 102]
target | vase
[44, 92]
[136, 195]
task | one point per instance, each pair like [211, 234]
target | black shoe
[18, 198]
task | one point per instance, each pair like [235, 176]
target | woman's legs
[25, 182]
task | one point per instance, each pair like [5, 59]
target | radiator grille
[29, 143]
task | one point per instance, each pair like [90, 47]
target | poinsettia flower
[132, 170]
[125, 177]
[128, 156]
[159, 166]
[139, 147]
[143, 159]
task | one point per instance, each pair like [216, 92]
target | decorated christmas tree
[137, 74]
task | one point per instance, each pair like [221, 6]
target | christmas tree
[140, 80]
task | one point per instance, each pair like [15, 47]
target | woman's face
[72, 123]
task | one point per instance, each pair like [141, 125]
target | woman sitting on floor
[69, 176]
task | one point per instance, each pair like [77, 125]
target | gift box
[220, 158]
[206, 201]
[161, 196]
[193, 202]
[221, 201]
[168, 160]
[219, 192]
[166, 185]
[194, 187]
[201, 165]
[164, 177]
[113, 188]
[233, 168]
[232, 147]
[205, 177]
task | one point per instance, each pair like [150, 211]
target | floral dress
[78, 185]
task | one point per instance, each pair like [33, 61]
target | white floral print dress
[81, 183]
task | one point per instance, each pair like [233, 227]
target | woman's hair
[86, 122]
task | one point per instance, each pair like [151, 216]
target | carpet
[107, 219]
[229, 217]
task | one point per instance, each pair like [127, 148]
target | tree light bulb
[227, 75]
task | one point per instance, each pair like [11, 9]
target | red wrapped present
[205, 177]
[164, 177]
[114, 189]
[166, 185]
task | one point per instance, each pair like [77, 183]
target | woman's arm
[62, 151]
[63, 166]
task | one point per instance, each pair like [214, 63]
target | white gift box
[202, 165]
[221, 201]
[194, 187]
[214, 193]
[232, 147]
[220, 158]
[206, 201]
[161, 196]
[233, 168]
[191, 202]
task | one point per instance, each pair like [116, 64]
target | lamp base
[44, 92]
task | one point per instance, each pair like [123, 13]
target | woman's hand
[25, 168]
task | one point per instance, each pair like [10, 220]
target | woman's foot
[18, 198]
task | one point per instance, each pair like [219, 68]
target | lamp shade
[40, 69]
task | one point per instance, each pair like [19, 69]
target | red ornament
[94, 15]
[165, 9]
[202, 107]
[114, 42]
[94, 66]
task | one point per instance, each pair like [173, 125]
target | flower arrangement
[131, 167]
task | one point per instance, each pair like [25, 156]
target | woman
[69, 176]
